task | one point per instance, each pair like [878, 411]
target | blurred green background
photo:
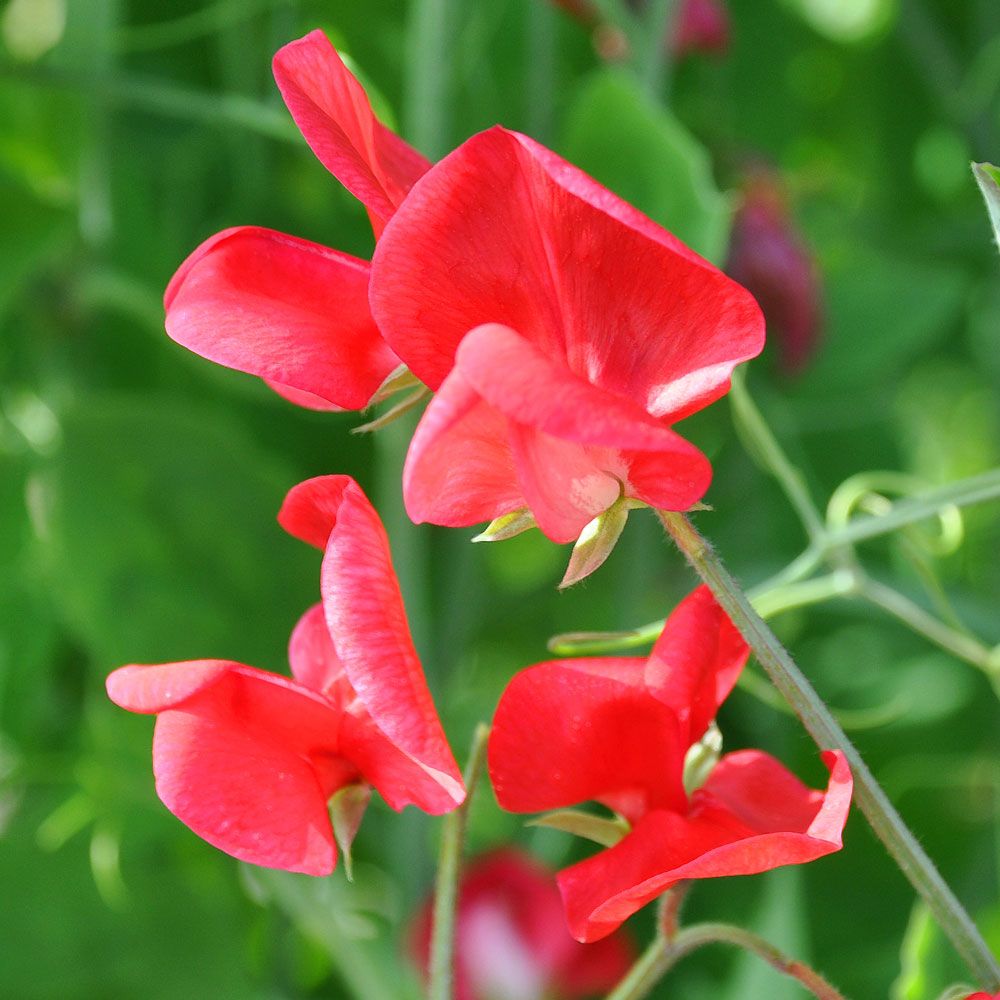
[139, 484]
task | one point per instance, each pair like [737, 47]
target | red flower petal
[367, 623]
[335, 116]
[566, 732]
[247, 760]
[313, 659]
[667, 480]
[310, 509]
[302, 398]
[751, 816]
[503, 231]
[459, 469]
[155, 687]
[366, 618]
[290, 311]
[563, 485]
[399, 780]
[760, 792]
[696, 661]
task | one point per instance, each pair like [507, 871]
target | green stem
[839, 583]
[427, 112]
[158, 98]
[442, 958]
[959, 644]
[962, 493]
[769, 601]
[828, 734]
[653, 46]
[768, 453]
[664, 953]
[541, 68]
[648, 970]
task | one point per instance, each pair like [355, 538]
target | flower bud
[768, 257]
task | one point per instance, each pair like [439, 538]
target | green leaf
[606, 832]
[159, 523]
[926, 962]
[344, 919]
[988, 178]
[883, 313]
[645, 155]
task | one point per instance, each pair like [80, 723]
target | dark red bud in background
[767, 256]
[700, 26]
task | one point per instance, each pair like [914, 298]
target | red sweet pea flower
[618, 731]
[512, 941]
[290, 311]
[248, 759]
[563, 331]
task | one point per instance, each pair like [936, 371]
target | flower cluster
[562, 334]
[562, 331]
[627, 733]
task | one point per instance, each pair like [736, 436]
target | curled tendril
[869, 493]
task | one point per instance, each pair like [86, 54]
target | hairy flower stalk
[665, 952]
[885, 821]
[442, 958]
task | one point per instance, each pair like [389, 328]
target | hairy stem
[828, 734]
[442, 959]
[665, 952]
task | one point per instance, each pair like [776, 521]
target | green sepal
[701, 758]
[347, 808]
[988, 178]
[596, 542]
[397, 380]
[507, 526]
[606, 832]
[394, 412]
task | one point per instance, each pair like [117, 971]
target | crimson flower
[290, 311]
[248, 759]
[768, 256]
[626, 732]
[983, 996]
[563, 332]
[511, 938]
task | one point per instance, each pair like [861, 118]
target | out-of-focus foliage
[139, 484]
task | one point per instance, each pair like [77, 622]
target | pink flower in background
[512, 942]
[287, 310]
[563, 332]
[768, 256]
[249, 759]
[620, 731]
